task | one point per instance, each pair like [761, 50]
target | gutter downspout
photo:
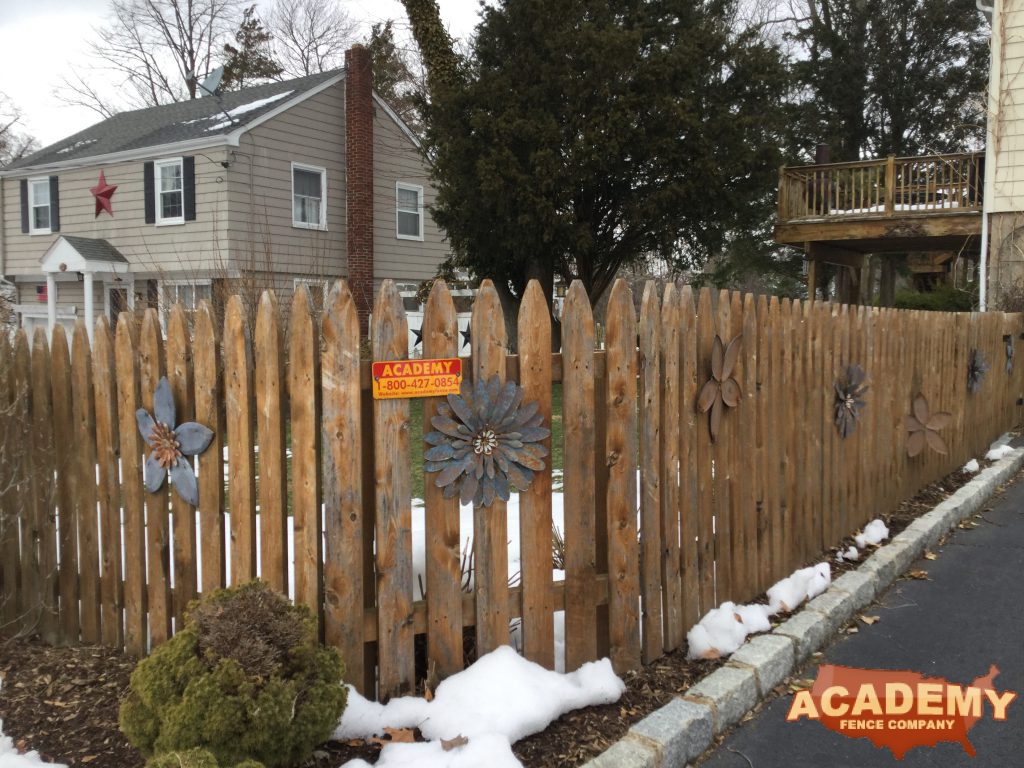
[992, 109]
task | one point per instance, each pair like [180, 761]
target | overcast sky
[40, 40]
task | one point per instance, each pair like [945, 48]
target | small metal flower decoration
[485, 441]
[849, 402]
[170, 445]
[923, 428]
[976, 370]
[721, 390]
[1008, 339]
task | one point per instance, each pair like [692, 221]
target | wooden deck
[839, 211]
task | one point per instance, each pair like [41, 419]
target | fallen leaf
[428, 694]
[395, 735]
[930, 556]
[449, 744]
[804, 684]
[89, 758]
[918, 574]
[869, 620]
[852, 630]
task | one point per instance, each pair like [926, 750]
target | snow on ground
[9, 757]
[972, 466]
[874, 533]
[998, 452]
[724, 629]
[495, 702]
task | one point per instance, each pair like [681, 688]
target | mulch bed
[63, 702]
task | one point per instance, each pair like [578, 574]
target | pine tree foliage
[882, 77]
[251, 61]
[582, 136]
[393, 76]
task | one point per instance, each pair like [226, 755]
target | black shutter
[24, 206]
[149, 192]
[54, 205]
[188, 172]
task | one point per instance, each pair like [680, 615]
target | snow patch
[804, 584]
[72, 148]
[850, 555]
[724, 629]
[972, 466]
[998, 452]
[231, 114]
[495, 702]
[873, 533]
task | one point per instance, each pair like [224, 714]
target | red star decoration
[103, 192]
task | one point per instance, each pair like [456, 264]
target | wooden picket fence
[715, 521]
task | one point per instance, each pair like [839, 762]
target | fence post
[394, 516]
[535, 502]
[890, 185]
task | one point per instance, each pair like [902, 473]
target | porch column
[90, 319]
[51, 302]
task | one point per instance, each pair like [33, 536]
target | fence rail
[882, 187]
[307, 482]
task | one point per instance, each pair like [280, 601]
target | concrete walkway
[967, 616]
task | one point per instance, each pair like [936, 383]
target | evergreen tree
[251, 60]
[393, 78]
[586, 135]
[883, 77]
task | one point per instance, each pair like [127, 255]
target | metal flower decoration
[923, 428]
[721, 390]
[976, 370]
[485, 441]
[171, 445]
[849, 403]
[1008, 339]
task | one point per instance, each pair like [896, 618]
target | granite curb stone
[771, 657]
[722, 698]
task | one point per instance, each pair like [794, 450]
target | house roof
[206, 118]
[94, 249]
[69, 253]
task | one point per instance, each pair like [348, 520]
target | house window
[309, 197]
[409, 211]
[188, 292]
[170, 188]
[39, 206]
[317, 291]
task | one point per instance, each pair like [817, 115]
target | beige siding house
[1004, 159]
[295, 182]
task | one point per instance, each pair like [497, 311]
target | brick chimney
[359, 178]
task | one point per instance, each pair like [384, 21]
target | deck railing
[883, 187]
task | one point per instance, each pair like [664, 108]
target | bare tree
[310, 36]
[14, 142]
[159, 49]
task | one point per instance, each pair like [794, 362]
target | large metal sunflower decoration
[923, 428]
[849, 403]
[171, 445]
[485, 442]
[720, 391]
[976, 370]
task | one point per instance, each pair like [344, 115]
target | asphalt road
[967, 616]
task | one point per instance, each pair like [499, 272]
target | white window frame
[158, 168]
[165, 306]
[418, 189]
[313, 282]
[322, 224]
[43, 181]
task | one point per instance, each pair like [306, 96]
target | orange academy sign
[899, 710]
[416, 378]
